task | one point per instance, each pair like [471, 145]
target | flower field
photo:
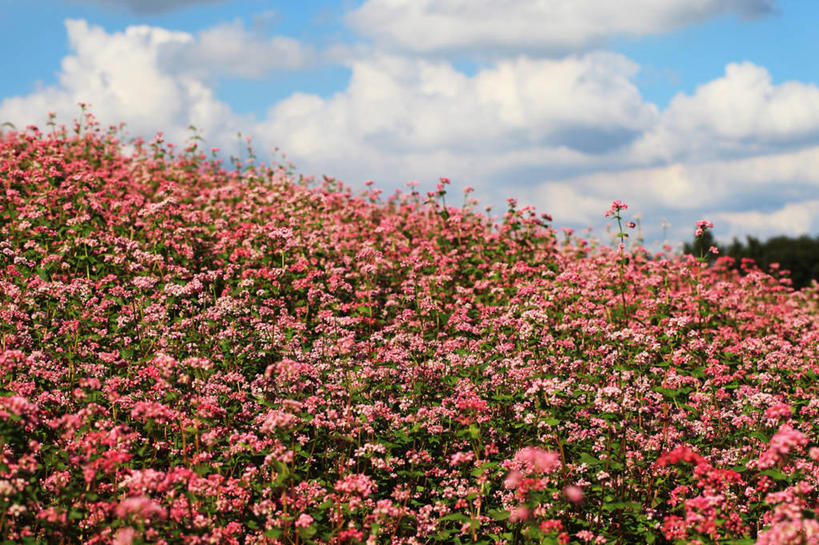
[201, 353]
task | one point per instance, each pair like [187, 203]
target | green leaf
[665, 391]
[586, 458]
[308, 532]
[758, 435]
[456, 516]
[498, 514]
[774, 474]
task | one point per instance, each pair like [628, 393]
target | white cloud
[544, 25]
[740, 113]
[120, 75]
[721, 190]
[398, 110]
[231, 49]
[148, 7]
[796, 218]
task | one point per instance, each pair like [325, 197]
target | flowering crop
[199, 354]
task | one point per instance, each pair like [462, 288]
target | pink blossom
[142, 507]
[615, 209]
[702, 225]
[513, 479]
[519, 513]
[359, 484]
[461, 458]
[782, 443]
[574, 494]
[303, 521]
[124, 536]
[585, 535]
[537, 459]
[780, 410]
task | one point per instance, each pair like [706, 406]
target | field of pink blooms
[201, 353]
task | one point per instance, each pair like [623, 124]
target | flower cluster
[197, 354]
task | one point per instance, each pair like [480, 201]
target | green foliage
[797, 255]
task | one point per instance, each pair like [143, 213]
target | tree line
[799, 255]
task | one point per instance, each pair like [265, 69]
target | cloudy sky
[684, 109]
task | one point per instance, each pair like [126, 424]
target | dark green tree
[701, 245]
[797, 255]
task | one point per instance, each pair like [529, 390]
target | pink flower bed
[194, 353]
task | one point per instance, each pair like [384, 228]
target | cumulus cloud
[740, 113]
[528, 110]
[120, 75]
[793, 219]
[230, 49]
[750, 195]
[150, 7]
[551, 26]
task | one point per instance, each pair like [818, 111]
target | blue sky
[685, 109]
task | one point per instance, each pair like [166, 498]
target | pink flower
[304, 521]
[780, 410]
[538, 459]
[521, 512]
[787, 439]
[784, 441]
[513, 479]
[356, 483]
[574, 494]
[585, 535]
[140, 506]
[680, 454]
[702, 225]
[461, 458]
[551, 525]
[616, 206]
[674, 528]
[790, 527]
[124, 536]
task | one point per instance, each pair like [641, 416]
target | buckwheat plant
[195, 354]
